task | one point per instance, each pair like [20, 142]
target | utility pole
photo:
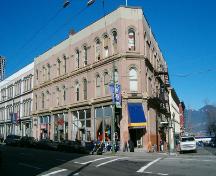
[113, 108]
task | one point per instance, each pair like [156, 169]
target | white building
[16, 103]
[174, 123]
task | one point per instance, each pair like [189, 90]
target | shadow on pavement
[30, 162]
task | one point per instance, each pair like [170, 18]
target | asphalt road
[29, 162]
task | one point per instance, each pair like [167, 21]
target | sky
[184, 29]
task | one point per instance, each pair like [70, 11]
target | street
[29, 162]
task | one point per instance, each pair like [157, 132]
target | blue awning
[136, 116]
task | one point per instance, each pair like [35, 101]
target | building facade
[2, 68]
[72, 81]
[174, 122]
[16, 93]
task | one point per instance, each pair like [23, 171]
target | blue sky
[184, 29]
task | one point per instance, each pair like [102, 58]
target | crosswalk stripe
[94, 160]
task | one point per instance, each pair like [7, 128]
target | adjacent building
[72, 82]
[16, 93]
[2, 67]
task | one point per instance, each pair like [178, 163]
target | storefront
[45, 127]
[26, 126]
[81, 125]
[103, 123]
[61, 127]
[136, 123]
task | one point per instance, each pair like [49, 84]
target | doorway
[136, 136]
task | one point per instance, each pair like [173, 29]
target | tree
[211, 119]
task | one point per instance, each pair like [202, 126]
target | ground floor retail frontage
[133, 123]
[23, 127]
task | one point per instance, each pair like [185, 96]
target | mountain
[196, 120]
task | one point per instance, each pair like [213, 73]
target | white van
[187, 143]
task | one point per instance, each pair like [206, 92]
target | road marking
[94, 160]
[189, 159]
[161, 174]
[76, 174]
[142, 169]
[28, 165]
[55, 172]
[147, 172]
[110, 161]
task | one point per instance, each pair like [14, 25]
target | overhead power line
[194, 73]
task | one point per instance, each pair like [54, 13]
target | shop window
[133, 79]
[131, 39]
[103, 123]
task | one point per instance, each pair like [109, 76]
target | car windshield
[187, 139]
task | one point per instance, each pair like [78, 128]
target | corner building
[71, 83]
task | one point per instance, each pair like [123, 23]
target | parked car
[212, 143]
[27, 141]
[74, 147]
[12, 140]
[187, 143]
[47, 144]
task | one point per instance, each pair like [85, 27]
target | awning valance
[136, 116]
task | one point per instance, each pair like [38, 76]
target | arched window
[116, 76]
[133, 79]
[48, 71]
[106, 46]
[85, 56]
[98, 85]
[106, 82]
[77, 91]
[97, 49]
[131, 39]
[65, 64]
[36, 102]
[59, 67]
[114, 42]
[42, 100]
[77, 58]
[85, 89]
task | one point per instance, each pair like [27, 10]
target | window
[48, 71]
[116, 76]
[85, 89]
[97, 50]
[114, 42]
[37, 74]
[98, 85]
[43, 98]
[131, 40]
[133, 79]
[81, 126]
[77, 91]
[85, 55]
[44, 73]
[59, 67]
[106, 83]
[36, 102]
[64, 94]
[106, 47]
[77, 58]
[65, 64]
